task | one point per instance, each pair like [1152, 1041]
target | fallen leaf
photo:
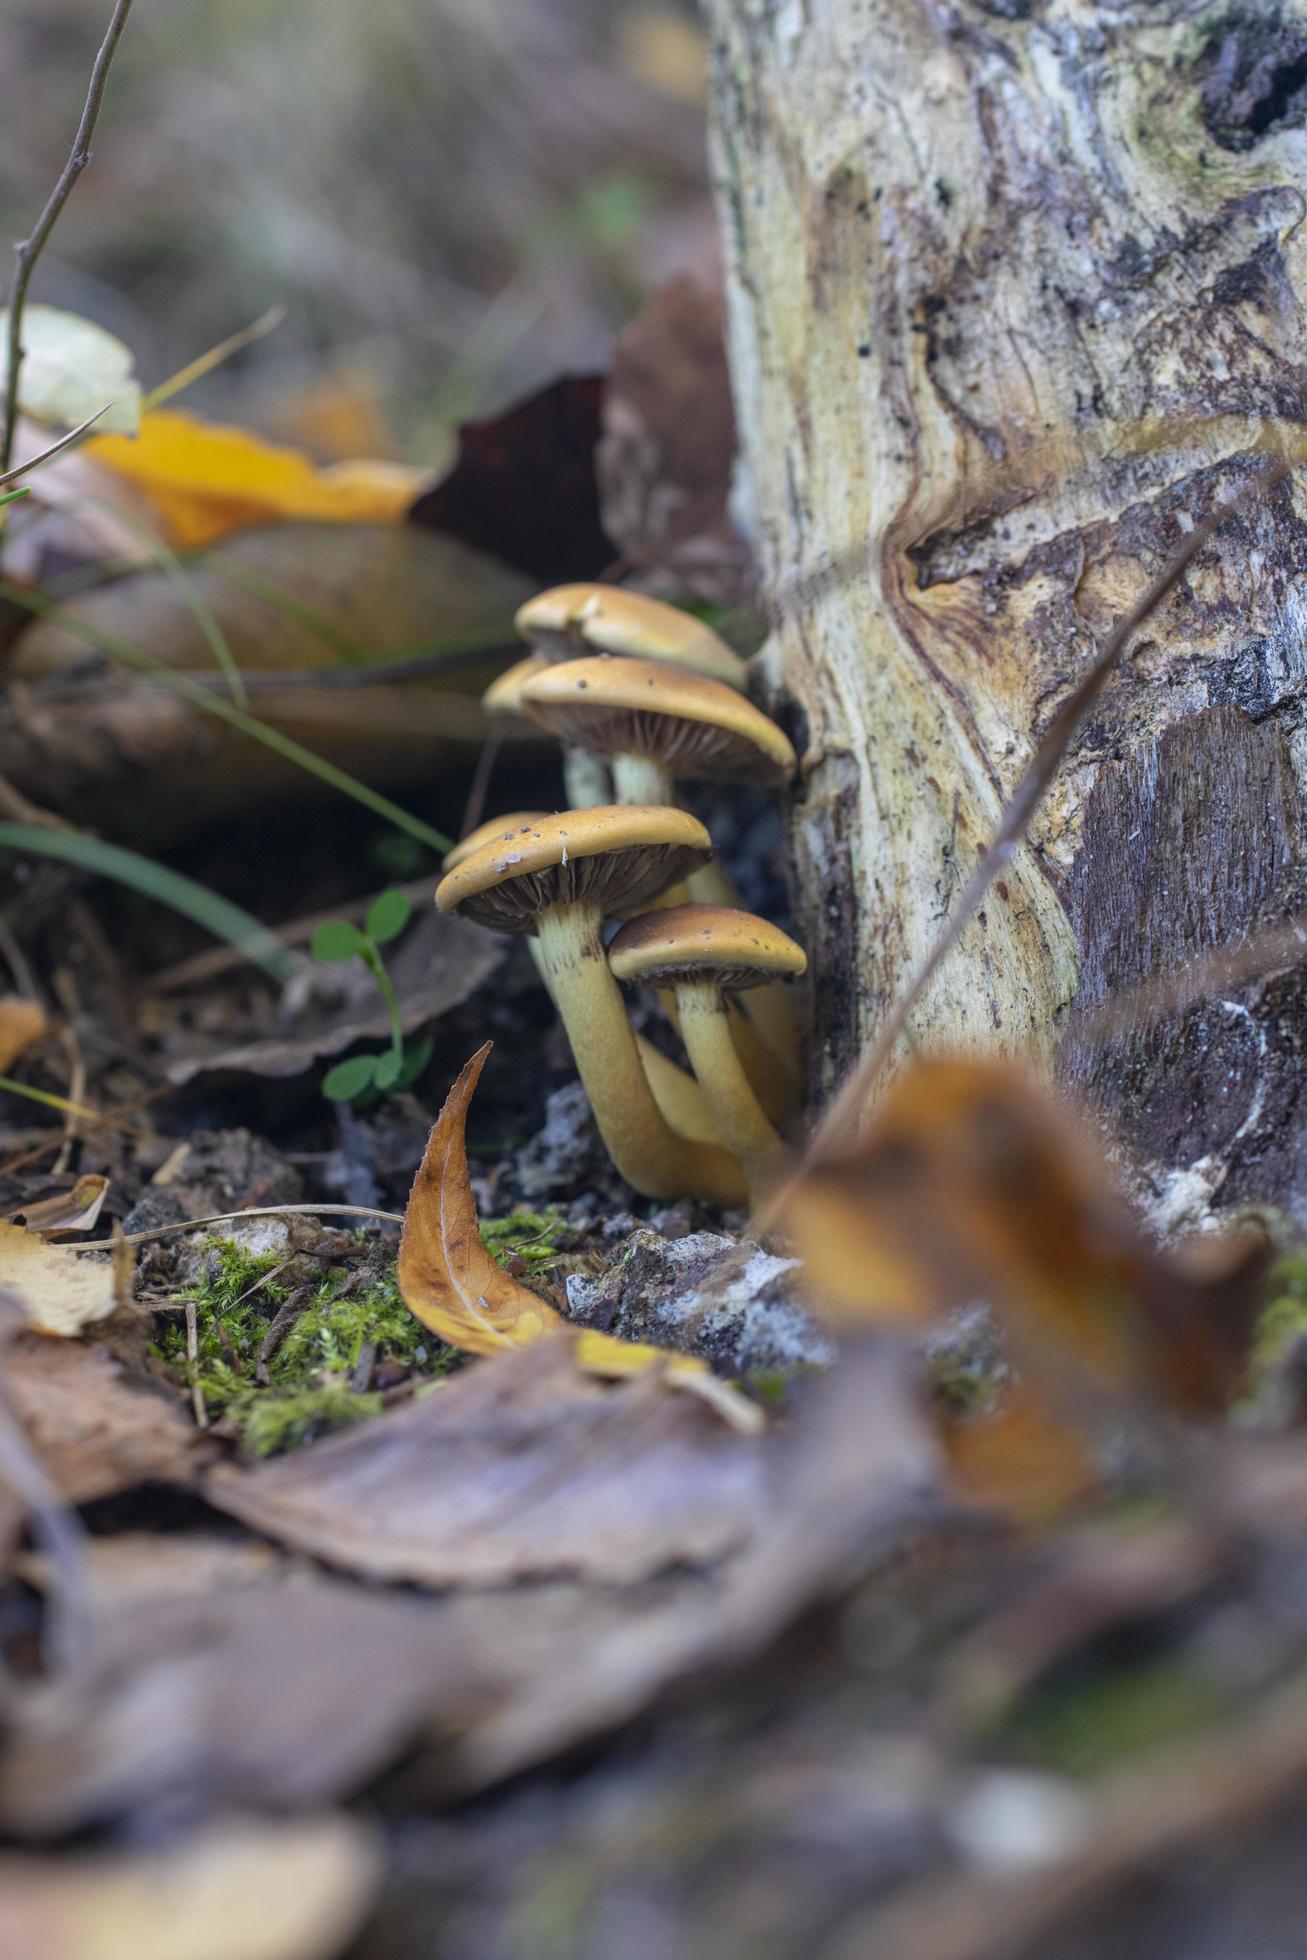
[72, 369]
[972, 1183]
[60, 1292]
[21, 1023]
[1022, 1458]
[96, 1430]
[203, 1700]
[75, 1210]
[518, 1468]
[261, 1889]
[454, 1286]
[447, 1277]
[524, 488]
[203, 480]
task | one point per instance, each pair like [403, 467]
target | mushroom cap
[612, 857]
[503, 696]
[571, 620]
[700, 942]
[695, 727]
[493, 828]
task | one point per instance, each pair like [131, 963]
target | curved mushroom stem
[706, 1032]
[639, 779]
[585, 779]
[677, 1094]
[772, 1009]
[646, 1150]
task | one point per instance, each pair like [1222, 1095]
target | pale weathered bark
[1015, 288]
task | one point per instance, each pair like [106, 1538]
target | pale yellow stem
[646, 1150]
[706, 1032]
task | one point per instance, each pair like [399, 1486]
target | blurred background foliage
[456, 200]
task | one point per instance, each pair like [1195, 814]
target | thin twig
[235, 1217]
[30, 249]
[193, 1366]
[44, 455]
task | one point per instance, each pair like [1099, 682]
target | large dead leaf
[59, 1292]
[972, 1183]
[261, 1889]
[520, 1467]
[21, 1023]
[203, 480]
[455, 1287]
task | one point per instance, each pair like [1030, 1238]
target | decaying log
[1015, 291]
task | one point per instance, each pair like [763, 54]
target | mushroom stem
[641, 779]
[771, 1010]
[646, 1150]
[706, 1032]
[677, 1094]
[585, 779]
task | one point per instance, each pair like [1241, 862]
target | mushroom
[585, 777]
[705, 952]
[559, 878]
[676, 1093]
[569, 621]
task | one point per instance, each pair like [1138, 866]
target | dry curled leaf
[21, 1023]
[74, 1210]
[456, 1288]
[60, 1292]
[96, 1430]
[973, 1183]
[203, 480]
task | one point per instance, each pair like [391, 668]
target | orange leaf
[1022, 1458]
[451, 1283]
[203, 480]
[446, 1276]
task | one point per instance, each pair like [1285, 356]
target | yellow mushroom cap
[694, 727]
[701, 942]
[492, 830]
[572, 620]
[611, 857]
[503, 696]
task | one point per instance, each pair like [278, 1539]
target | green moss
[529, 1237]
[1081, 1727]
[1284, 1317]
[308, 1389]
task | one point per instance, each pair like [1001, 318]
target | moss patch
[1082, 1726]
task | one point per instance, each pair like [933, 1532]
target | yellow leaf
[59, 1292]
[446, 1276]
[203, 480]
[68, 1211]
[451, 1283]
[21, 1023]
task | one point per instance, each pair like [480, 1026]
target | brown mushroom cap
[692, 726]
[701, 942]
[571, 620]
[612, 857]
[503, 696]
[492, 830]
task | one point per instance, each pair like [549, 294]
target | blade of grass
[44, 455]
[205, 363]
[172, 888]
[213, 704]
[46, 1098]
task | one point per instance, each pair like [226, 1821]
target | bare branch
[30, 249]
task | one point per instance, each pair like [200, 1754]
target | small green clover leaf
[337, 941]
[389, 915]
[349, 1079]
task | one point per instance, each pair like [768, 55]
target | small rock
[735, 1304]
[567, 1153]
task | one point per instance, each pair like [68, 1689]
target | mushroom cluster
[643, 697]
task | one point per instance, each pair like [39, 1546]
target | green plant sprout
[337, 941]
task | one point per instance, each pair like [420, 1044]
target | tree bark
[1014, 291]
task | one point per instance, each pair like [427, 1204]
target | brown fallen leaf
[972, 1183]
[256, 1889]
[61, 1292]
[75, 1210]
[454, 1286]
[21, 1023]
[518, 1468]
[95, 1431]
[1022, 1457]
[203, 1700]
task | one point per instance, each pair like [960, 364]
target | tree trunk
[1014, 290]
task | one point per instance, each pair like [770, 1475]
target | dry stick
[235, 1217]
[30, 249]
[841, 1118]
